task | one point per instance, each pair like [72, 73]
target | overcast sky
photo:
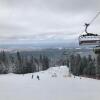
[25, 21]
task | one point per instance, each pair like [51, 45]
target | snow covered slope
[54, 84]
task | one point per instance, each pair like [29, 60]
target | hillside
[54, 84]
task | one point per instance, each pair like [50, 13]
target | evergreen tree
[98, 67]
[45, 63]
[19, 67]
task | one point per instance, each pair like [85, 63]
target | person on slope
[38, 77]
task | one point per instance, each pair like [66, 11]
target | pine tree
[19, 67]
[45, 63]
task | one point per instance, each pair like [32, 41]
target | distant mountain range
[59, 44]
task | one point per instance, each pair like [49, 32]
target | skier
[38, 77]
[32, 76]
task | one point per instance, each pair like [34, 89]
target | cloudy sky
[27, 21]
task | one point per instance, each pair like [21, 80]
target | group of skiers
[36, 77]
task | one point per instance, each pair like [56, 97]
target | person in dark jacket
[32, 76]
[38, 77]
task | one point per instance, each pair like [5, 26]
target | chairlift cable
[94, 18]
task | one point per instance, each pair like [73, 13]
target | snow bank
[53, 72]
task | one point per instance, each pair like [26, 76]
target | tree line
[21, 64]
[84, 66]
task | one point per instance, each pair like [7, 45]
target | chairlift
[89, 38]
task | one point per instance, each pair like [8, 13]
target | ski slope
[54, 84]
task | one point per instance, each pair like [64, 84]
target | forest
[85, 66]
[21, 63]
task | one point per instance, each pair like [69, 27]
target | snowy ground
[61, 87]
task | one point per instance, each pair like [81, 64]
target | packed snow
[54, 84]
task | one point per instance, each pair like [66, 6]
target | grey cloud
[74, 5]
[45, 19]
[57, 5]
